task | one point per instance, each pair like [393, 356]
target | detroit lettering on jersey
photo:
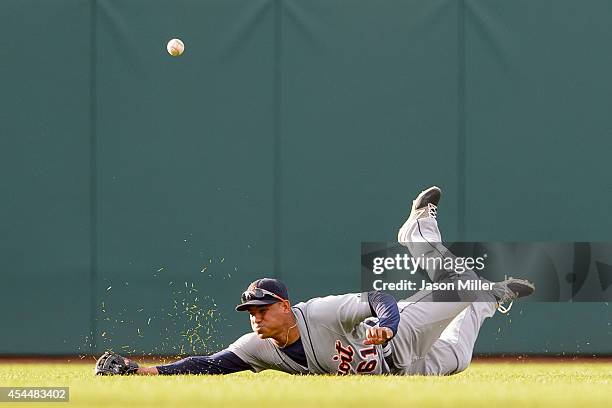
[345, 358]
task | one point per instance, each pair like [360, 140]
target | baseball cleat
[426, 204]
[510, 289]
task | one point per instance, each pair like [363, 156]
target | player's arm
[384, 307]
[223, 362]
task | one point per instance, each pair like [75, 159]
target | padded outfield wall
[141, 190]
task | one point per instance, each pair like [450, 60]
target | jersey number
[368, 365]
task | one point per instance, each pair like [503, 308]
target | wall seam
[277, 141]
[461, 126]
[93, 184]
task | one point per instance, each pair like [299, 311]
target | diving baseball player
[363, 333]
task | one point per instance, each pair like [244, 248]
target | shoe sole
[420, 196]
[521, 288]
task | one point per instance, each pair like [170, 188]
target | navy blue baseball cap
[263, 291]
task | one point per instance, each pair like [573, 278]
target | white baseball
[175, 47]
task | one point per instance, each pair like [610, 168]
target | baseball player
[357, 333]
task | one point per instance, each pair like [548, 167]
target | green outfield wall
[142, 193]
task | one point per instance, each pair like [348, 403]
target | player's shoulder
[258, 353]
[335, 298]
[249, 343]
[326, 303]
[249, 338]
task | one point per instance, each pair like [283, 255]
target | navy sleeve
[385, 308]
[223, 362]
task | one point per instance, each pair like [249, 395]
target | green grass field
[484, 384]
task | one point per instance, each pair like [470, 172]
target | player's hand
[378, 335]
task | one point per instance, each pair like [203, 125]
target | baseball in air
[175, 47]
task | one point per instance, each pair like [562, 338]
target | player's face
[267, 320]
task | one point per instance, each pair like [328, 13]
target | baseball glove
[113, 364]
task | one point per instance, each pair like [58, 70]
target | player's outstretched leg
[421, 235]
[423, 316]
[422, 319]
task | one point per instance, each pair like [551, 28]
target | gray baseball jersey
[332, 331]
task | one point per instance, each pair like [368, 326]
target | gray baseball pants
[436, 337]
